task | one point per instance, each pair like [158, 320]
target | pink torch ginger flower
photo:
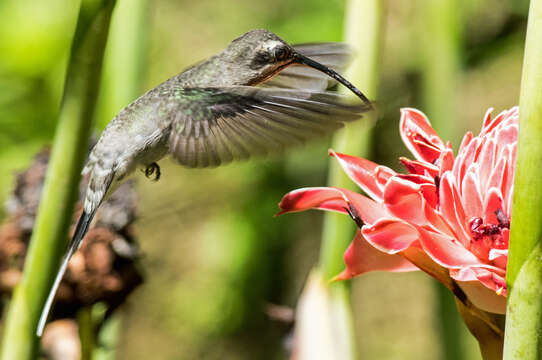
[449, 216]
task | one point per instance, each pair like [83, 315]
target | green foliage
[213, 252]
[523, 337]
[32, 65]
[363, 32]
[61, 183]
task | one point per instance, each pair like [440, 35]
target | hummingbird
[258, 96]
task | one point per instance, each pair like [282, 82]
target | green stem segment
[86, 332]
[523, 339]
[523, 336]
[363, 32]
[489, 340]
[62, 181]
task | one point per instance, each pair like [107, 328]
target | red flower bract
[453, 213]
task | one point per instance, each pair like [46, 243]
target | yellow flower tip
[499, 290]
[340, 277]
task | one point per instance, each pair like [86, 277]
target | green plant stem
[62, 181]
[523, 336]
[524, 312]
[86, 332]
[490, 341]
[363, 31]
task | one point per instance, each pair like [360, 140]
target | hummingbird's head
[259, 54]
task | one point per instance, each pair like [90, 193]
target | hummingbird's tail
[99, 183]
[80, 231]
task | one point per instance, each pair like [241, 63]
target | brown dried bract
[97, 272]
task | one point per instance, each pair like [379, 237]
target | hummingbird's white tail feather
[96, 191]
[80, 231]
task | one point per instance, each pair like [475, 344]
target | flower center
[479, 229]
[488, 236]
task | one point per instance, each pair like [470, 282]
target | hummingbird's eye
[280, 53]
[261, 58]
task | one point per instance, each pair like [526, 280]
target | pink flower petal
[472, 199]
[490, 292]
[446, 251]
[416, 255]
[495, 254]
[493, 203]
[451, 209]
[369, 210]
[436, 222]
[446, 161]
[464, 159]
[441, 216]
[487, 123]
[465, 142]
[483, 297]
[418, 135]
[404, 200]
[390, 235]
[419, 167]
[505, 188]
[509, 182]
[366, 174]
[323, 198]
[496, 177]
[490, 126]
[361, 257]
[499, 257]
[486, 159]
[335, 199]
[508, 135]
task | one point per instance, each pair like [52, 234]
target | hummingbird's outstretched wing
[213, 126]
[335, 56]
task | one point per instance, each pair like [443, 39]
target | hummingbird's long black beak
[301, 59]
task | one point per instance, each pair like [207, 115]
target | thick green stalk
[363, 32]
[62, 181]
[86, 332]
[523, 336]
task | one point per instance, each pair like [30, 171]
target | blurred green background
[214, 254]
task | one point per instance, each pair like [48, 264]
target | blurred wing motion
[335, 56]
[217, 125]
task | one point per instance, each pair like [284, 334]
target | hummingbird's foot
[153, 169]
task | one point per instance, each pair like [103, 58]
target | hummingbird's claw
[153, 169]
